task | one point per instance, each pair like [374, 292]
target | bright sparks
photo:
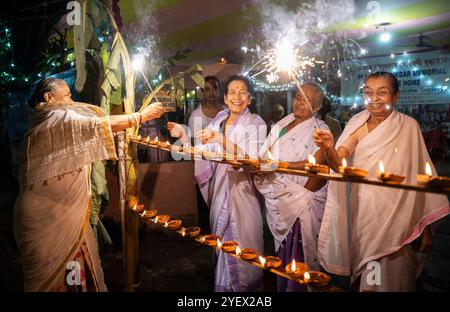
[138, 62]
[285, 58]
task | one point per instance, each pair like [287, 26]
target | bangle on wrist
[130, 121]
[136, 117]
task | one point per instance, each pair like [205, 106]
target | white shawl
[365, 222]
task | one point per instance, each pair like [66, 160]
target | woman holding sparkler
[295, 204]
[365, 226]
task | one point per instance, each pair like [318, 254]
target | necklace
[223, 124]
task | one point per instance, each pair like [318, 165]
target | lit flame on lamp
[262, 260]
[381, 166]
[293, 265]
[238, 250]
[183, 233]
[156, 219]
[147, 139]
[139, 137]
[306, 277]
[311, 160]
[428, 169]
[344, 163]
[219, 244]
[166, 224]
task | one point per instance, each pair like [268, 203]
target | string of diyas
[425, 182]
[295, 271]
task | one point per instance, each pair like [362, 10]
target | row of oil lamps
[297, 271]
[427, 179]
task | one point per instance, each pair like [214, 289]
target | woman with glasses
[374, 233]
[235, 209]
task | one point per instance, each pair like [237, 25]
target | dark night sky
[30, 22]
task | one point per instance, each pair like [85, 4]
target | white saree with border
[235, 207]
[363, 222]
[286, 198]
[51, 215]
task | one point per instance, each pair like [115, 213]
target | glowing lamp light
[293, 265]
[238, 251]
[381, 166]
[344, 163]
[262, 261]
[306, 277]
[219, 244]
[311, 159]
[428, 169]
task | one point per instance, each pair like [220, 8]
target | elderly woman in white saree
[51, 215]
[364, 223]
[235, 208]
[295, 204]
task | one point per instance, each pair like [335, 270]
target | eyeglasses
[240, 94]
[381, 93]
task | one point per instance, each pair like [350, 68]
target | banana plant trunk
[130, 221]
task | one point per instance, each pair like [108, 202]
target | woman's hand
[153, 111]
[323, 138]
[209, 136]
[176, 130]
